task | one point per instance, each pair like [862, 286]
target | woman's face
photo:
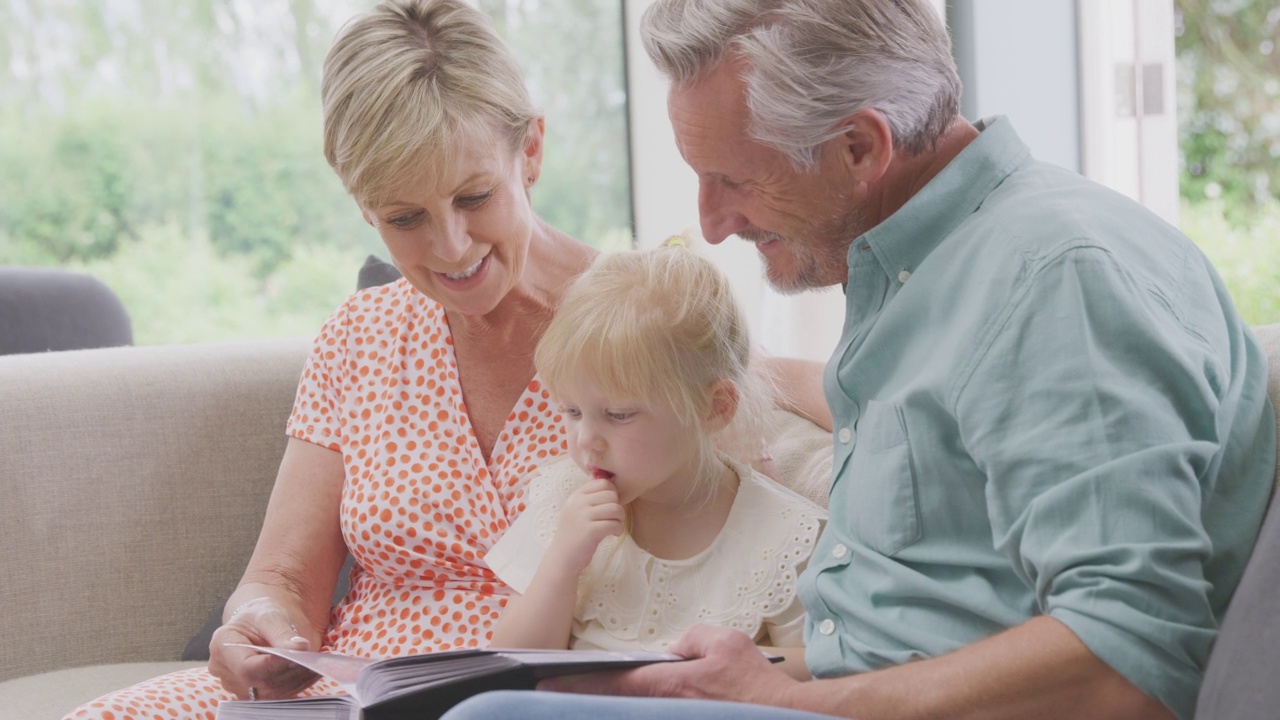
[461, 235]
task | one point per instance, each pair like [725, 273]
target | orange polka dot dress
[420, 505]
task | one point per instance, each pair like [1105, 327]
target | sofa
[134, 480]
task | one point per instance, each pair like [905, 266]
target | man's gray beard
[817, 264]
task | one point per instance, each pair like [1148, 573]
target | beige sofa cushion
[134, 481]
[49, 696]
[1269, 337]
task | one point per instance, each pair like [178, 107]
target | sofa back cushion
[134, 482]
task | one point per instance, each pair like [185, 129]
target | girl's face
[647, 451]
[462, 237]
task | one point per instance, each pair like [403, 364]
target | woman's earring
[530, 181]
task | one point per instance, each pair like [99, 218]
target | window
[1175, 103]
[173, 150]
[1228, 70]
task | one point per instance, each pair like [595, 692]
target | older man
[1053, 446]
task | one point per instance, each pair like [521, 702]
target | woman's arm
[284, 595]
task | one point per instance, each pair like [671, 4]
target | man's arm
[799, 387]
[1039, 669]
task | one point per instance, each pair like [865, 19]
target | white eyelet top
[629, 599]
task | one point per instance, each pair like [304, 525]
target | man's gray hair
[813, 63]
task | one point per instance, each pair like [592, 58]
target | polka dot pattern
[420, 506]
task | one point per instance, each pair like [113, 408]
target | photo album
[423, 687]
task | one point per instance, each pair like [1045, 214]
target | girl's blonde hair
[660, 327]
[407, 82]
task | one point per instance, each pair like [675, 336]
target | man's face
[802, 223]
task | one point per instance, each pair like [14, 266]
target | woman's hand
[589, 515]
[260, 621]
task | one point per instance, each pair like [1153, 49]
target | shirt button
[904, 276]
[826, 627]
[839, 551]
[845, 435]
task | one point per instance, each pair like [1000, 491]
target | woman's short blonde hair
[406, 82]
[659, 327]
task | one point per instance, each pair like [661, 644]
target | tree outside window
[1229, 133]
[173, 150]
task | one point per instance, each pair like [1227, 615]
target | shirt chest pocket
[879, 487]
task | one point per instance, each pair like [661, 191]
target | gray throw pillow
[376, 271]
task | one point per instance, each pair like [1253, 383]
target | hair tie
[687, 238]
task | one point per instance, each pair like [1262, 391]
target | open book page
[343, 669]
[332, 707]
[581, 657]
[374, 681]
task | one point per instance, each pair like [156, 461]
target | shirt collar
[903, 240]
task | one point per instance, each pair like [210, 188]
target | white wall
[1088, 84]
[1051, 65]
[1019, 59]
[1128, 100]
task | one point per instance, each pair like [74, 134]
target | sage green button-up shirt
[1045, 404]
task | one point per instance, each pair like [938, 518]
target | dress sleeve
[315, 415]
[516, 555]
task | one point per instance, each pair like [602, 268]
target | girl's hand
[589, 515]
[261, 621]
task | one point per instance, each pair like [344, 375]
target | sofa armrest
[134, 483]
[1269, 338]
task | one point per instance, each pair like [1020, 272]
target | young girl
[655, 521]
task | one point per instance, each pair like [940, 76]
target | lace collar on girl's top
[629, 598]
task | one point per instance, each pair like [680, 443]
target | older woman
[418, 414]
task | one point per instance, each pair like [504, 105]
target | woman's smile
[468, 278]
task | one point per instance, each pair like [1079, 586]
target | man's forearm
[1039, 669]
[799, 387]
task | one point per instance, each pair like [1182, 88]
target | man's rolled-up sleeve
[1098, 452]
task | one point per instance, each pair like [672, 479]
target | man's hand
[724, 665]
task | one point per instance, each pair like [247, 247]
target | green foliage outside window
[174, 151]
[1228, 70]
